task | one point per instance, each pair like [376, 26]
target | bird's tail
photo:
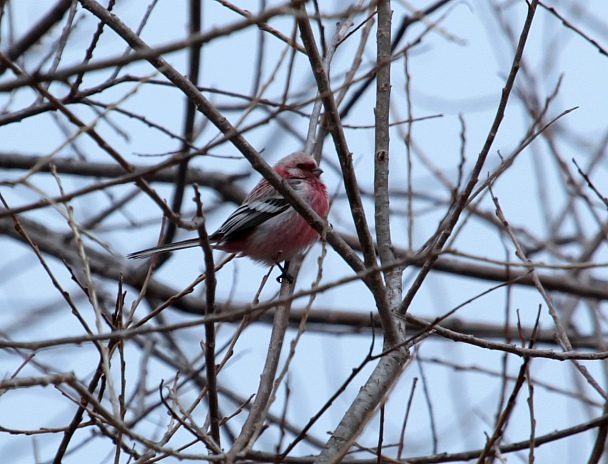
[164, 248]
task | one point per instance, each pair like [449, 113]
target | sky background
[456, 74]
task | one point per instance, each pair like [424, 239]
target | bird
[265, 227]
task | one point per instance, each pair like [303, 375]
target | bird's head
[298, 166]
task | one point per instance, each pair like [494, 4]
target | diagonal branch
[447, 226]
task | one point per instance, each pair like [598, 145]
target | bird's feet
[285, 274]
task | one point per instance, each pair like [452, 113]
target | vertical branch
[408, 151]
[380, 436]
[194, 64]
[214, 408]
[118, 324]
[375, 283]
[374, 393]
[382, 157]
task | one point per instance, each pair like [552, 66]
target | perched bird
[265, 227]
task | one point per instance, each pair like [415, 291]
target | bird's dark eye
[301, 166]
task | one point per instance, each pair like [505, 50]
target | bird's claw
[285, 275]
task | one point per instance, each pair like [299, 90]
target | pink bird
[265, 227]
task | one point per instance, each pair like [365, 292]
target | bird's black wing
[249, 215]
